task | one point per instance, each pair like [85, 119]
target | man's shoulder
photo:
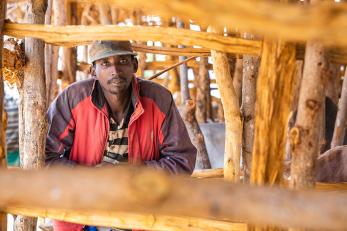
[76, 92]
[151, 89]
[159, 94]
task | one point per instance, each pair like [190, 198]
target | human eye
[104, 63]
[123, 61]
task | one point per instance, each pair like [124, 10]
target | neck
[118, 102]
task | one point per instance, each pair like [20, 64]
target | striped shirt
[12, 136]
[117, 145]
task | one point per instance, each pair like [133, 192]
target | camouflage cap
[104, 49]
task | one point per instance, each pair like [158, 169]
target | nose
[114, 69]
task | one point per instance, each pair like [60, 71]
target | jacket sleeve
[60, 133]
[177, 153]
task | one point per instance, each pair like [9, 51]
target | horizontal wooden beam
[173, 51]
[326, 21]
[130, 220]
[141, 190]
[73, 35]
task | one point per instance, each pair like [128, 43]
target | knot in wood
[295, 136]
[312, 105]
[149, 187]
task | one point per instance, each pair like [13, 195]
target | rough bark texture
[195, 134]
[203, 95]
[233, 125]
[32, 120]
[61, 18]
[51, 61]
[183, 70]
[3, 161]
[275, 86]
[250, 73]
[306, 133]
[237, 78]
[144, 191]
[341, 118]
[294, 106]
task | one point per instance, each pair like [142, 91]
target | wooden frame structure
[217, 204]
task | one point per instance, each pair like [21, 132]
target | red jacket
[79, 123]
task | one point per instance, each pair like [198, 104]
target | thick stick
[141, 191]
[275, 86]
[233, 125]
[306, 133]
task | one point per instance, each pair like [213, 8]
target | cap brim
[112, 53]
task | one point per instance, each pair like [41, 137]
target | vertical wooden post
[306, 133]
[275, 86]
[250, 72]
[341, 118]
[237, 78]
[203, 95]
[183, 69]
[33, 124]
[233, 125]
[61, 18]
[3, 161]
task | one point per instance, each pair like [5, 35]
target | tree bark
[195, 134]
[341, 118]
[233, 125]
[237, 78]
[203, 95]
[275, 86]
[183, 70]
[61, 18]
[3, 160]
[306, 133]
[32, 120]
[250, 73]
[51, 61]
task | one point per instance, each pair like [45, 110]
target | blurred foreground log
[142, 190]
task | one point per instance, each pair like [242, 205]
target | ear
[135, 64]
[92, 71]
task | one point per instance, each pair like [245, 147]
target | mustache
[115, 79]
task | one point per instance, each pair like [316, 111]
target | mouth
[116, 81]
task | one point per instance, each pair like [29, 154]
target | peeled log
[275, 86]
[195, 134]
[142, 191]
[306, 132]
[233, 125]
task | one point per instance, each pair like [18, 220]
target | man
[115, 118]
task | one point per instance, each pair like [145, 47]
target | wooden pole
[250, 73]
[341, 118]
[237, 78]
[3, 160]
[195, 134]
[51, 61]
[183, 70]
[126, 220]
[233, 125]
[143, 191]
[275, 86]
[33, 108]
[203, 92]
[73, 35]
[306, 133]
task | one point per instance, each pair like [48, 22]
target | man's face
[115, 73]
